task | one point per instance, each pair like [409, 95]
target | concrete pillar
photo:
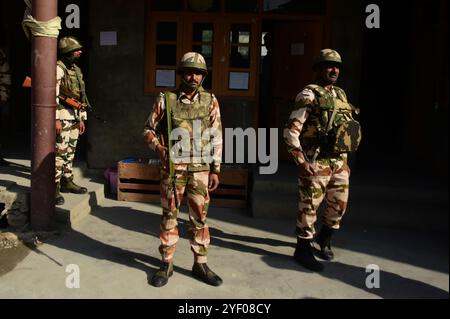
[43, 99]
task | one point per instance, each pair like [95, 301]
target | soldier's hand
[162, 154]
[309, 168]
[58, 126]
[213, 182]
[82, 128]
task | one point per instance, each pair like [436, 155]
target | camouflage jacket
[312, 120]
[67, 84]
[203, 107]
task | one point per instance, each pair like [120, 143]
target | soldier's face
[193, 78]
[330, 73]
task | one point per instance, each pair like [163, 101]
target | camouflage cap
[192, 60]
[68, 44]
[327, 55]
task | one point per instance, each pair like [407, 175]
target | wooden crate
[233, 189]
[139, 182]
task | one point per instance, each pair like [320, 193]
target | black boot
[324, 241]
[59, 199]
[162, 275]
[202, 272]
[304, 255]
[68, 186]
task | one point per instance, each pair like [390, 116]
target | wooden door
[294, 46]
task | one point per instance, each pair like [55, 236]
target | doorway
[288, 50]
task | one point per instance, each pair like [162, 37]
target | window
[163, 54]
[240, 69]
[228, 43]
[202, 42]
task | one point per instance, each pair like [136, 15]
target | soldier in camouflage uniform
[190, 106]
[70, 120]
[320, 132]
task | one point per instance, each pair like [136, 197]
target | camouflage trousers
[331, 182]
[66, 143]
[196, 186]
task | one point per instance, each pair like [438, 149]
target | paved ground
[116, 251]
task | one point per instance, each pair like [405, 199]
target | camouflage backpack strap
[206, 96]
[62, 65]
[343, 97]
[169, 100]
[341, 94]
[317, 90]
[79, 76]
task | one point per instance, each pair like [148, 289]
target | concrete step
[76, 207]
[16, 178]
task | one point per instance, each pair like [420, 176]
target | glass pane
[166, 31]
[206, 51]
[166, 54]
[204, 5]
[207, 84]
[240, 33]
[240, 57]
[165, 78]
[248, 6]
[238, 81]
[203, 32]
[164, 5]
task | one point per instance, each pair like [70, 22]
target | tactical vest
[190, 117]
[72, 82]
[330, 124]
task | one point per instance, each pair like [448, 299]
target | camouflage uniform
[332, 179]
[69, 87]
[192, 177]
[321, 130]
[69, 79]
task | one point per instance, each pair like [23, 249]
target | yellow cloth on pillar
[48, 28]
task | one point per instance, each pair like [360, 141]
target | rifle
[172, 176]
[70, 101]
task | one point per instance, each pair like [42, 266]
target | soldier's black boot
[304, 255]
[162, 275]
[324, 241]
[202, 272]
[59, 199]
[68, 186]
